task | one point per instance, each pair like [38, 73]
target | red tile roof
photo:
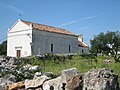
[42, 27]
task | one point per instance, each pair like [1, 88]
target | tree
[107, 44]
[3, 48]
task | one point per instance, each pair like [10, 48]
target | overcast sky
[87, 17]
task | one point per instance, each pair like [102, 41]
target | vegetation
[3, 48]
[81, 62]
[107, 44]
[55, 64]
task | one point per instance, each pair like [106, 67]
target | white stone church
[27, 38]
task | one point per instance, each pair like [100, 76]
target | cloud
[76, 21]
[12, 8]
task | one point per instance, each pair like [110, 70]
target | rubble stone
[74, 83]
[100, 79]
[65, 74]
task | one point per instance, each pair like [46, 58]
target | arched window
[69, 48]
[82, 50]
[51, 47]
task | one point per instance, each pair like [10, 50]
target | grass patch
[83, 63]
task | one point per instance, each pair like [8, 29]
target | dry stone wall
[71, 79]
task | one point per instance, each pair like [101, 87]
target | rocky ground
[70, 79]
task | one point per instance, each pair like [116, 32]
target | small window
[51, 47]
[82, 50]
[69, 48]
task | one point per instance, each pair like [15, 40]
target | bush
[88, 56]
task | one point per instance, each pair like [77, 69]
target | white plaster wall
[42, 41]
[85, 50]
[19, 38]
[19, 26]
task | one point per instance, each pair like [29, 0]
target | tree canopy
[107, 44]
[3, 48]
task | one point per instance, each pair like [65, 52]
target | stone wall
[71, 79]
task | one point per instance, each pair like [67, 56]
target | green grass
[83, 64]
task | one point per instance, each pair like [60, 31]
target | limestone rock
[34, 68]
[16, 86]
[100, 79]
[35, 83]
[27, 66]
[3, 86]
[74, 83]
[50, 74]
[53, 84]
[65, 74]
[2, 68]
[12, 61]
[37, 74]
[31, 68]
[7, 79]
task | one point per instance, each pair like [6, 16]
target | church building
[28, 38]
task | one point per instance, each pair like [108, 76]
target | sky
[86, 17]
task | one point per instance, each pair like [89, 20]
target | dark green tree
[107, 44]
[3, 48]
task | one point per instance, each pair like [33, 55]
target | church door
[18, 52]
